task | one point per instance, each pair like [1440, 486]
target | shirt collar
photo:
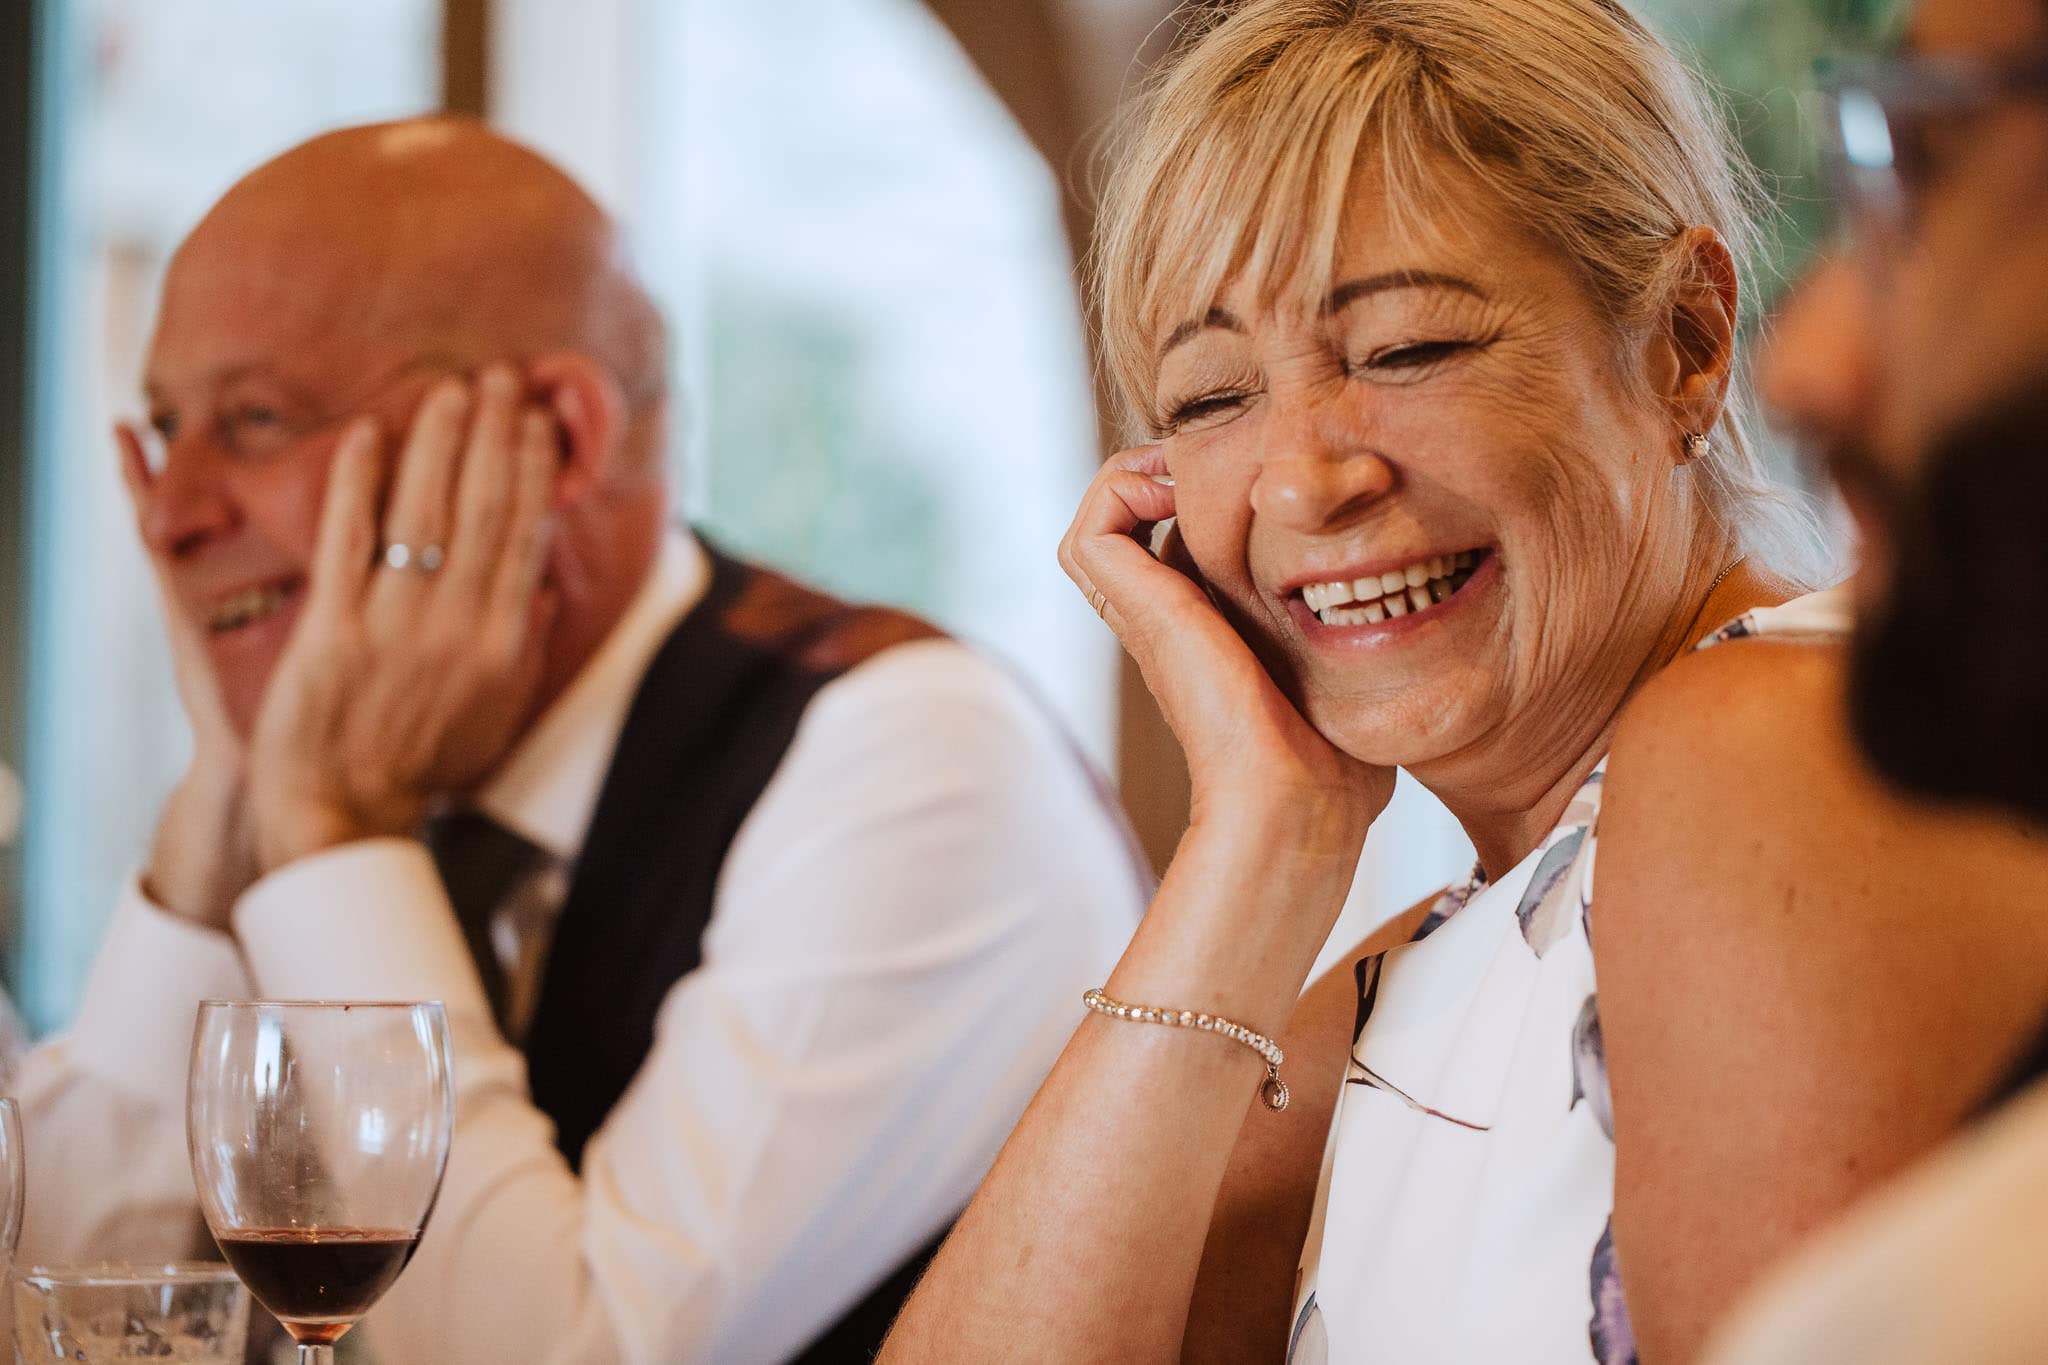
[547, 788]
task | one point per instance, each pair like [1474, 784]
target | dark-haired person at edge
[758, 915]
[1430, 308]
[1917, 364]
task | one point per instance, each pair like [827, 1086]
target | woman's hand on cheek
[1248, 748]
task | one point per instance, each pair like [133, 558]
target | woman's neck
[1509, 792]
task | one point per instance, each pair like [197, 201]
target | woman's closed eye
[1411, 359]
[1207, 408]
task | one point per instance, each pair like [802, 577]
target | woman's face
[1427, 506]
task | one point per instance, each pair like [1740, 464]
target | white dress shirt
[900, 936]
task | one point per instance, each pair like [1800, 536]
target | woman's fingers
[1140, 460]
[344, 555]
[1122, 502]
[1115, 503]
[1132, 591]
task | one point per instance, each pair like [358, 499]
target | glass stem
[311, 1354]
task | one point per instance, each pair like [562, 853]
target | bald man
[758, 916]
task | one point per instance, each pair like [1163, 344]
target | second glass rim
[119, 1273]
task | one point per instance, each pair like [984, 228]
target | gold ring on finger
[1099, 601]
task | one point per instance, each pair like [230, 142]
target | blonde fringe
[1238, 159]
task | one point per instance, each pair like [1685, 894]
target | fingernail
[1163, 480]
[570, 404]
[499, 382]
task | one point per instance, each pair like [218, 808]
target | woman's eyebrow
[1215, 317]
[1341, 297]
[1351, 291]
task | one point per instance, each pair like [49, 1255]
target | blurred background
[861, 218]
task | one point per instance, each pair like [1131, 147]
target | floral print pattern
[1613, 1336]
[1449, 1036]
[1559, 897]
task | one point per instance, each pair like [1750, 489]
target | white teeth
[1395, 593]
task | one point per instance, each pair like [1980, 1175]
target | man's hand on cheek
[418, 652]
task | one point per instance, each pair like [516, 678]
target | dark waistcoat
[711, 722]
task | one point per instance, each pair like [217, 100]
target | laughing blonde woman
[1430, 308]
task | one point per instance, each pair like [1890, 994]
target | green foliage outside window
[807, 470]
[1761, 53]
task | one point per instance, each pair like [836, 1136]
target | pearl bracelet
[1273, 1091]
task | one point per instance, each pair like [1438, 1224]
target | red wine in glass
[319, 1133]
[321, 1279]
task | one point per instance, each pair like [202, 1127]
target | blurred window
[156, 107]
[880, 345]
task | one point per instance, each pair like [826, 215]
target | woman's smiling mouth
[1411, 591]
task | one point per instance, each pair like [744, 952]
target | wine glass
[13, 1184]
[319, 1132]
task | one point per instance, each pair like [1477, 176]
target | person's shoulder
[1717, 720]
[1737, 797]
[1732, 793]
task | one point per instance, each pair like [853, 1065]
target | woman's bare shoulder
[1805, 979]
[1734, 778]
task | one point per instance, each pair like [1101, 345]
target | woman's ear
[589, 410]
[1692, 359]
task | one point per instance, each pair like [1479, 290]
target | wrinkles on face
[1419, 421]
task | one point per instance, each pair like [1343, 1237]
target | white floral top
[1465, 1207]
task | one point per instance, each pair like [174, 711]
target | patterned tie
[481, 862]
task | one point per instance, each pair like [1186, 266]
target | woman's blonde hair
[1239, 158]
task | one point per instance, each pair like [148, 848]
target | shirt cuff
[363, 921]
[134, 1025]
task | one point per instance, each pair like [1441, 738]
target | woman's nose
[189, 502]
[1315, 478]
[1818, 373]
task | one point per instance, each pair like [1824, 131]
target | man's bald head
[343, 280]
[433, 234]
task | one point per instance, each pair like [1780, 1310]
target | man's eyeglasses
[1889, 122]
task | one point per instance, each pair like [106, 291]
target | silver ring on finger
[426, 559]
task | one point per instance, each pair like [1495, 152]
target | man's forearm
[200, 861]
